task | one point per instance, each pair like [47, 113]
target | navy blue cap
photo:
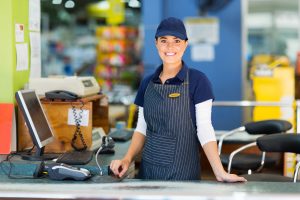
[171, 26]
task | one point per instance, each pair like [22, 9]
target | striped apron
[171, 150]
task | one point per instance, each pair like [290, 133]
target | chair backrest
[268, 127]
[279, 143]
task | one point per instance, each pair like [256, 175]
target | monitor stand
[38, 155]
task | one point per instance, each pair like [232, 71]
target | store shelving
[117, 56]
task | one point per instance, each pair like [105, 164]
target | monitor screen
[35, 117]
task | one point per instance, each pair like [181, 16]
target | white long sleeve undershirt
[205, 130]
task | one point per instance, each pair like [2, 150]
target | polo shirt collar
[180, 75]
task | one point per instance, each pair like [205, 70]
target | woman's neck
[169, 71]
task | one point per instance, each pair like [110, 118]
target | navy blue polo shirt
[200, 88]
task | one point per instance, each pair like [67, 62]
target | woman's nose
[170, 44]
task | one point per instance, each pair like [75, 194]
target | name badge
[174, 95]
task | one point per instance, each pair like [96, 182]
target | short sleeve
[202, 90]
[139, 99]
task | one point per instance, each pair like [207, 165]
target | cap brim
[172, 33]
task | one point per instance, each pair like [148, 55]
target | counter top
[138, 189]
[135, 188]
[26, 168]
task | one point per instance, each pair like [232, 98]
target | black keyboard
[75, 157]
[121, 135]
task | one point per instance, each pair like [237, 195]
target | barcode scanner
[108, 145]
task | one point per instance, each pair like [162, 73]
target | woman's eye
[177, 41]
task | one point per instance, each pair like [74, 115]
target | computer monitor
[37, 123]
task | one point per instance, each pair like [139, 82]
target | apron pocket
[159, 149]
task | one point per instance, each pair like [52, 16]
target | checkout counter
[131, 188]
[135, 188]
[140, 189]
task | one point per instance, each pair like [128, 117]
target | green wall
[11, 12]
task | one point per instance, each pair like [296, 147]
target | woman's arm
[119, 167]
[136, 146]
[211, 152]
[206, 136]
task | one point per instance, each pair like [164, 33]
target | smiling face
[171, 49]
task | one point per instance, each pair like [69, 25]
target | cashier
[174, 117]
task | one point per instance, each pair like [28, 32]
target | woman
[174, 115]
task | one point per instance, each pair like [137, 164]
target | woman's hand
[211, 152]
[119, 167]
[230, 178]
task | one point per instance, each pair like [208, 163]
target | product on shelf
[116, 55]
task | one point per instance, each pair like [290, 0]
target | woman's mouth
[170, 54]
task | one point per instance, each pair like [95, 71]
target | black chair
[282, 143]
[253, 162]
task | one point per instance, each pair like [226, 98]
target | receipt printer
[82, 86]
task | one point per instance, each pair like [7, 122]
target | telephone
[61, 94]
[69, 96]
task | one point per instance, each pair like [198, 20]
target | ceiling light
[69, 4]
[56, 1]
[134, 4]
[103, 5]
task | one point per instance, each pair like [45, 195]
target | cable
[78, 130]
[107, 143]
[28, 150]
[100, 169]
[8, 171]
